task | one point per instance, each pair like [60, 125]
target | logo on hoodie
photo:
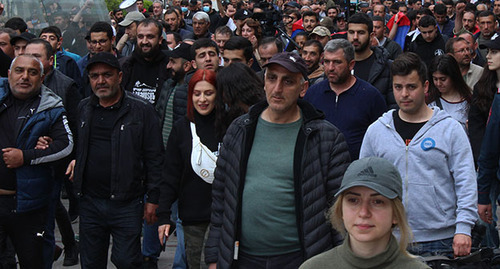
[428, 144]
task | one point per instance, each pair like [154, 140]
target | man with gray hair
[201, 24]
[158, 10]
[349, 103]
[29, 111]
[279, 167]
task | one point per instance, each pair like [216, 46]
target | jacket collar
[94, 100]
[48, 99]
[309, 113]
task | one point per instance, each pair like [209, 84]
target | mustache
[101, 86]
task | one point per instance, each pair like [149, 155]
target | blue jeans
[180, 260]
[150, 242]
[100, 218]
[432, 248]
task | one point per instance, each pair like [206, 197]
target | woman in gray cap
[368, 208]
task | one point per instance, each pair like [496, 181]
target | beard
[362, 46]
[152, 52]
[178, 75]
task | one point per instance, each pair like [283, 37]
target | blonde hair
[335, 216]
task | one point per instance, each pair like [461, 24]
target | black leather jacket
[137, 156]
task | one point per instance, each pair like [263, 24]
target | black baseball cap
[291, 61]
[105, 58]
[24, 36]
[242, 14]
[183, 51]
[292, 4]
[493, 43]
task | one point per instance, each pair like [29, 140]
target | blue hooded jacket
[34, 179]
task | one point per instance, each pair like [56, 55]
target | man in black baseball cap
[118, 160]
[493, 43]
[20, 42]
[291, 61]
[174, 90]
[291, 167]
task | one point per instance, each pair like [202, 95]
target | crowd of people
[264, 134]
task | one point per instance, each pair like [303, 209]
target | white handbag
[203, 160]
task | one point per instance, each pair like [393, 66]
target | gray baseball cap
[375, 173]
[131, 17]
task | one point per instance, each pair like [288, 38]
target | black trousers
[25, 231]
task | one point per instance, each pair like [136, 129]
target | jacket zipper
[405, 198]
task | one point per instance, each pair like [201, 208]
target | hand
[70, 171]
[461, 245]
[163, 232]
[230, 12]
[254, 41]
[460, 9]
[212, 266]
[43, 142]
[13, 157]
[150, 213]
[2, 7]
[485, 213]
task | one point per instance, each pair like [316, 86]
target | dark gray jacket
[393, 48]
[380, 76]
[320, 160]
[68, 90]
[180, 100]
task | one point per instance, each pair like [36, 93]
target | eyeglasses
[101, 42]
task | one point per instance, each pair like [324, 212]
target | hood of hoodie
[48, 99]
[438, 115]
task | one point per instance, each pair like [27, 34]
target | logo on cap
[367, 172]
[293, 59]
[494, 36]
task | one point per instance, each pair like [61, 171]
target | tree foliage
[112, 4]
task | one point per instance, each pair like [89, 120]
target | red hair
[200, 75]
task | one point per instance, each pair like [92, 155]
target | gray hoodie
[437, 168]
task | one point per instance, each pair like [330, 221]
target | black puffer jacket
[320, 160]
[180, 100]
[380, 76]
